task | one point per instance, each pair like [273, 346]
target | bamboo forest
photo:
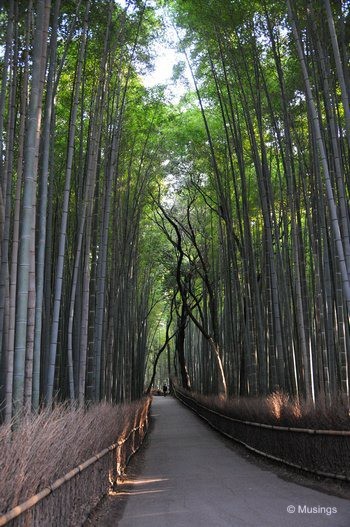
[192, 232]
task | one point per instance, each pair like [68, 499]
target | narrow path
[189, 477]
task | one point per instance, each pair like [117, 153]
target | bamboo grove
[259, 226]
[215, 228]
[75, 132]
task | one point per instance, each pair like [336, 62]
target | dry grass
[320, 453]
[46, 446]
[283, 410]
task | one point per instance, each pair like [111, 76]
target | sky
[165, 58]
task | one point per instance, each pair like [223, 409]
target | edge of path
[329, 486]
[113, 504]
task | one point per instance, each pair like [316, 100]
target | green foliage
[233, 165]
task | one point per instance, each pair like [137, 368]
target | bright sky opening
[165, 58]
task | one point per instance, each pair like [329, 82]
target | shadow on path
[187, 475]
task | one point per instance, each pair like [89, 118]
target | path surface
[190, 477]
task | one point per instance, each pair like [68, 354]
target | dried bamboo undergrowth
[47, 445]
[281, 409]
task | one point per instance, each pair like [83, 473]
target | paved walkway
[190, 477]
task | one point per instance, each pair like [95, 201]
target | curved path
[191, 477]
